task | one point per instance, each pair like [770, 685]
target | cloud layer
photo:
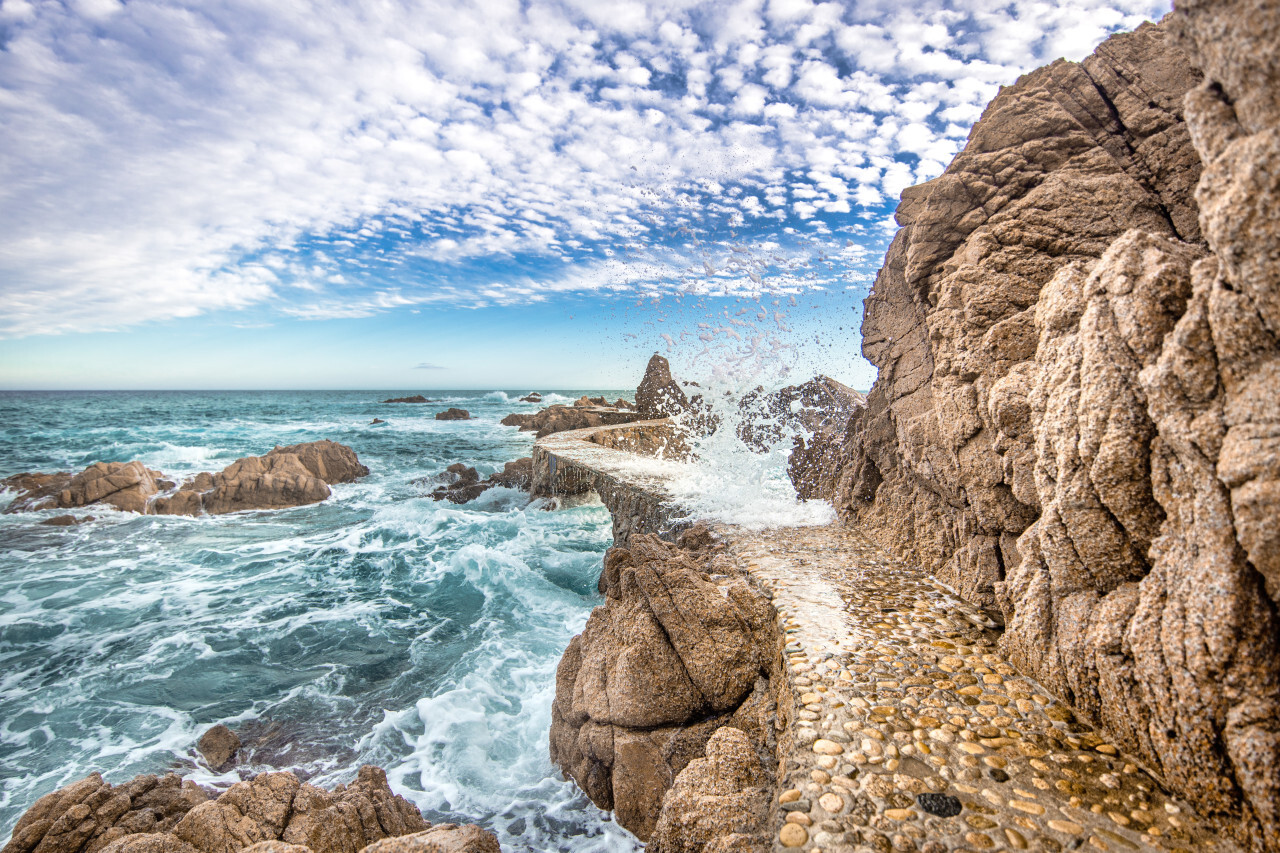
[323, 159]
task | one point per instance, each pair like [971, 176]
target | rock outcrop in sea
[677, 651]
[271, 813]
[295, 475]
[1076, 422]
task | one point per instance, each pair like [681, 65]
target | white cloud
[172, 157]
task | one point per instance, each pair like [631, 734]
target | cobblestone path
[911, 733]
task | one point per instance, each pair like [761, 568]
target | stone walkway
[913, 734]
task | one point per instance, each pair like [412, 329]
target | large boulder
[1075, 420]
[659, 395]
[295, 475]
[271, 813]
[676, 651]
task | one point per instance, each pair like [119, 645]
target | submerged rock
[416, 398]
[452, 414]
[376, 421]
[66, 520]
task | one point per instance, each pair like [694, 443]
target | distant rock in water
[272, 813]
[535, 397]
[376, 421]
[453, 415]
[659, 395]
[285, 477]
[416, 398]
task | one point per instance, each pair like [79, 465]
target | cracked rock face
[1076, 423]
[671, 656]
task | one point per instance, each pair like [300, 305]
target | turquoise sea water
[378, 627]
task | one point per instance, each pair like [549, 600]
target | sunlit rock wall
[1076, 422]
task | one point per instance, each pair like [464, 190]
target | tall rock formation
[1076, 422]
[678, 651]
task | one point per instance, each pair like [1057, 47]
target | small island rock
[453, 415]
[416, 398]
[219, 746]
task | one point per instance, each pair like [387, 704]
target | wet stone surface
[911, 733]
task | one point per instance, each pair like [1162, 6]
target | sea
[378, 627]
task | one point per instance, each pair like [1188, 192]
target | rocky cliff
[1076, 422]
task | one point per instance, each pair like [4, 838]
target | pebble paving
[911, 733]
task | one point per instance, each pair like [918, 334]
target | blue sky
[231, 194]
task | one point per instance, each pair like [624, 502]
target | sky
[492, 194]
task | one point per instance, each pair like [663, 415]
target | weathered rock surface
[416, 398]
[66, 520]
[295, 475]
[1076, 422]
[659, 395]
[453, 414]
[127, 486]
[287, 476]
[272, 813]
[532, 397]
[674, 653]
[219, 746]
[441, 838]
[35, 490]
[559, 418]
[718, 803]
[461, 483]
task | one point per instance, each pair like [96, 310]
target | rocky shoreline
[290, 476]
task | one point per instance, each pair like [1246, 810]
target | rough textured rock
[675, 653]
[126, 486]
[461, 483]
[452, 414]
[294, 475]
[720, 802]
[1075, 422]
[272, 813]
[219, 746]
[287, 476]
[559, 418]
[531, 397]
[659, 395]
[35, 490]
[92, 814]
[441, 838]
